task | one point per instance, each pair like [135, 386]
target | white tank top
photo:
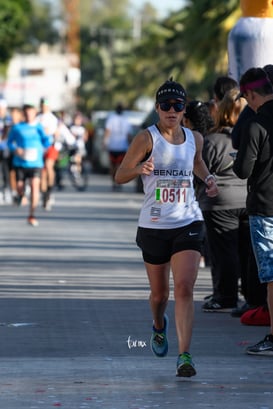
[169, 200]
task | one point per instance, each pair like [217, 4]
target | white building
[49, 74]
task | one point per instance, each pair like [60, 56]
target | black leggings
[232, 257]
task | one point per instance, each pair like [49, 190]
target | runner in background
[49, 121]
[27, 141]
[116, 140]
[5, 122]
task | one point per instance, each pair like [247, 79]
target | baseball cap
[171, 90]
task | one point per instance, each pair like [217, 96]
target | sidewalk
[75, 320]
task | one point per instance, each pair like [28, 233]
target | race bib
[173, 191]
[30, 154]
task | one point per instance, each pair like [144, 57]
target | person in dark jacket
[225, 217]
[255, 310]
[254, 162]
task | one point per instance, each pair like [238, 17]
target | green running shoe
[185, 366]
[159, 340]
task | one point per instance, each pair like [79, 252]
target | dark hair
[269, 70]
[222, 85]
[119, 108]
[198, 113]
[256, 79]
[28, 106]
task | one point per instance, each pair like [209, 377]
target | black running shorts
[27, 173]
[158, 245]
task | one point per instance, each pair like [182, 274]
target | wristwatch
[207, 178]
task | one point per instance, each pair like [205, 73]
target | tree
[93, 13]
[109, 35]
[106, 38]
[24, 25]
[204, 27]
[190, 44]
[14, 18]
[41, 27]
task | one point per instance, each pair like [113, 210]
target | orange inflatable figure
[250, 42]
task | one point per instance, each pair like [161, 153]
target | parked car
[100, 155]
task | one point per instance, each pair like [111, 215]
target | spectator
[221, 86]
[225, 215]
[255, 310]
[197, 117]
[254, 162]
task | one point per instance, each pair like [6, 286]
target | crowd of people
[32, 142]
[206, 168]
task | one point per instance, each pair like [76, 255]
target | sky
[164, 7]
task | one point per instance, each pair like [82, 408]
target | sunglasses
[177, 106]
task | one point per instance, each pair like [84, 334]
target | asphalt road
[75, 320]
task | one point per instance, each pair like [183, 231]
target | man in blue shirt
[28, 142]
